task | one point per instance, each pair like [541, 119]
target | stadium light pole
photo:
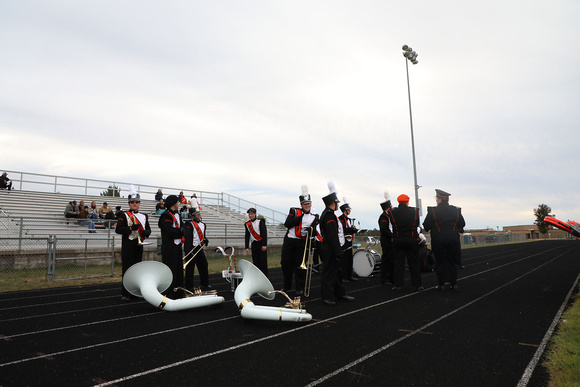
[411, 56]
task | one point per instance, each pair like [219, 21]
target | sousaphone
[148, 279]
[254, 281]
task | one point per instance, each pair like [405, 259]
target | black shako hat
[387, 203]
[170, 201]
[346, 205]
[331, 197]
[305, 197]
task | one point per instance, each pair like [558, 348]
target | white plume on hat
[345, 200]
[387, 196]
[331, 187]
[304, 190]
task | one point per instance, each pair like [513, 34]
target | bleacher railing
[74, 185]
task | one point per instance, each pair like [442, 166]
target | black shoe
[353, 279]
[454, 288]
[440, 287]
[347, 298]
[396, 288]
[329, 302]
[419, 288]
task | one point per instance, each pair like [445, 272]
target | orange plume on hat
[403, 198]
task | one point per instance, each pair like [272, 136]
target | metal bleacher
[37, 214]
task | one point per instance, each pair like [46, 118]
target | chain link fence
[50, 259]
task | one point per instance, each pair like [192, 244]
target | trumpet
[307, 262]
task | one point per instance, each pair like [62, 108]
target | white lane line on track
[78, 325]
[224, 319]
[44, 356]
[419, 330]
[526, 376]
[56, 303]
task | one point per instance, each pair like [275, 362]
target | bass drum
[363, 263]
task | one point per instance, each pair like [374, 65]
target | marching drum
[364, 262]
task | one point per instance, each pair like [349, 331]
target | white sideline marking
[536, 358]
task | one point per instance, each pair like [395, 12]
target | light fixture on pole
[411, 56]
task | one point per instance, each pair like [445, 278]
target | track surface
[492, 332]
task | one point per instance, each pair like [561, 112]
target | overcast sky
[257, 98]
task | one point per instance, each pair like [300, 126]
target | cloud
[258, 98]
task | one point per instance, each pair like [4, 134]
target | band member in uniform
[386, 243]
[349, 231]
[194, 240]
[333, 239]
[299, 223]
[257, 239]
[445, 223]
[404, 222]
[134, 228]
[171, 247]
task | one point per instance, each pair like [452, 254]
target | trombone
[191, 251]
[307, 262]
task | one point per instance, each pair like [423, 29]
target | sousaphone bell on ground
[148, 279]
[254, 281]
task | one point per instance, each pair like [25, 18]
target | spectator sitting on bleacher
[159, 195]
[84, 221]
[5, 182]
[71, 210]
[181, 198]
[105, 210]
[93, 211]
[160, 207]
[184, 212]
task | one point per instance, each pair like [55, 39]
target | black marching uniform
[331, 284]
[387, 247]
[132, 226]
[349, 230]
[171, 248]
[404, 223]
[298, 223]
[256, 237]
[445, 222]
[194, 240]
